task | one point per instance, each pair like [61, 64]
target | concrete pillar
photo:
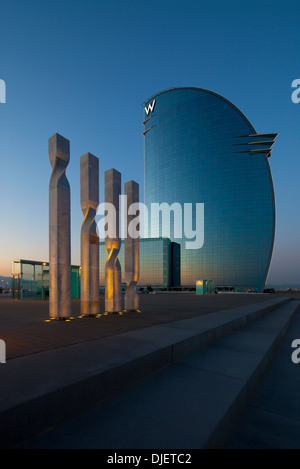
[132, 253]
[89, 196]
[59, 229]
[113, 285]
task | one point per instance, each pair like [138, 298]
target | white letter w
[150, 107]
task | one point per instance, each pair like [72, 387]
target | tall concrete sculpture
[89, 195]
[113, 285]
[131, 191]
[59, 229]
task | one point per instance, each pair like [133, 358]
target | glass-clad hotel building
[200, 148]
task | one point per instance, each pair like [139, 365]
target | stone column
[89, 196]
[132, 254]
[59, 229]
[113, 285]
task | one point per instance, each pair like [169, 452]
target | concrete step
[243, 356]
[194, 403]
[41, 390]
[272, 416]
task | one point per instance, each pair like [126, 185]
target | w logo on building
[2, 91]
[150, 107]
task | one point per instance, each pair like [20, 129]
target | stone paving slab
[23, 326]
[59, 367]
[266, 430]
[164, 411]
[272, 416]
[44, 387]
[193, 403]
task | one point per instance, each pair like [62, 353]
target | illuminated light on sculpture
[59, 229]
[89, 193]
[113, 285]
[131, 191]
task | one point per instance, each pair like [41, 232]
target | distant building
[200, 148]
[159, 269]
[159, 263]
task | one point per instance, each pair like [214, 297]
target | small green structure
[30, 279]
[205, 287]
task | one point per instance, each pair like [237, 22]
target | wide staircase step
[194, 401]
[271, 419]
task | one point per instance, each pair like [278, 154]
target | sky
[83, 69]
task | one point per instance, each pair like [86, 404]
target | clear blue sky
[84, 68]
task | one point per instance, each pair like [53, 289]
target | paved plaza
[25, 327]
[57, 369]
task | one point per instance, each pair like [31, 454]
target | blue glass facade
[199, 148]
[159, 263]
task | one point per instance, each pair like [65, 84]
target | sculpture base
[112, 312]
